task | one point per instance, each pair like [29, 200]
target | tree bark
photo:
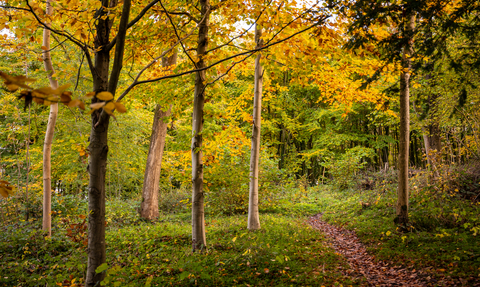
[404, 137]
[198, 213]
[47, 145]
[98, 147]
[253, 216]
[149, 205]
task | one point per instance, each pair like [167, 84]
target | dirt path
[377, 273]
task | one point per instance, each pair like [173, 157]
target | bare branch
[78, 73]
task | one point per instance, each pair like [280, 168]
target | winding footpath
[376, 273]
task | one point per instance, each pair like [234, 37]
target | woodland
[239, 143]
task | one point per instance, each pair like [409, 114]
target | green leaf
[101, 268]
[149, 281]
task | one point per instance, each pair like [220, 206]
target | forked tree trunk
[98, 147]
[198, 213]
[253, 216]
[47, 145]
[149, 205]
[404, 138]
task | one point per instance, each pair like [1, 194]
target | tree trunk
[198, 214]
[149, 205]
[98, 147]
[253, 216]
[404, 137]
[47, 145]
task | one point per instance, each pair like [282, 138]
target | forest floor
[357, 242]
[378, 273]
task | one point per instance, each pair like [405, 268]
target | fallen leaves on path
[377, 273]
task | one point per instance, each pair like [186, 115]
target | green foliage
[345, 167]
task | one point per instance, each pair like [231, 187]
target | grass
[443, 239]
[285, 252]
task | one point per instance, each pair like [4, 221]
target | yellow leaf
[74, 103]
[44, 48]
[108, 108]
[89, 95]
[96, 106]
[65, 98]
[120, 107]
[105, 96]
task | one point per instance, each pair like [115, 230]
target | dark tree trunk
[98, 147]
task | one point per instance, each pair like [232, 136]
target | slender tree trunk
[149, 205]
[198, 213]
[98, 147]
[253, 216]
[47, 145]
[404, 138]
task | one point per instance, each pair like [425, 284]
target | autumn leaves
[47, 95]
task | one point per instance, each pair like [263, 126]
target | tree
[52, 118]
[253, 216]
[404, 141]
[149, 205]
[198, 213]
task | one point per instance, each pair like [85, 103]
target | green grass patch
[285, 252]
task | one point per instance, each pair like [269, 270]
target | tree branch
[66, 35]
[133, 22]
[243, 33]
[176, 33]
[228, 58]
[135, 82]
[119, 50]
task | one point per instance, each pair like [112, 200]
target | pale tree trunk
[253, 216]
[404, 140]
[98, 147]
[149, 205]
[198, 210]
[47, 145]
